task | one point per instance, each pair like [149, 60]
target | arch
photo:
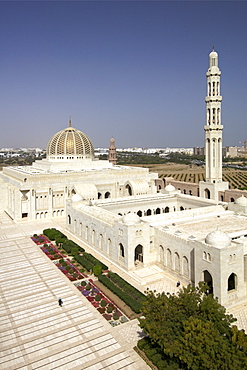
[181, 208]
[185, 267]
[207, 278]
[69, 220]
[232, 282]
[149, 212]
[167, 210]
[157, 211]
[100, 241]
[190, 192]
[207, 193]
[99, 196]
[169, 258]
[121, 250]
[204, 255]
[161, 255]
[222, 198]
[107, 194]
[177, 262]
[232, 200]
[139, 253]
[209, 257]
[139, 213]
[185, 191]
[108, 245]
[128, 189]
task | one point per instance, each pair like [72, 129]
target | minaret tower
[213, 128]
[112, 152]
[213, 133]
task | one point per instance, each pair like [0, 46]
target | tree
[194, 329]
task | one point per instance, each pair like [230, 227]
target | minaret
[213, 128]
[213, 133]
[112, 152]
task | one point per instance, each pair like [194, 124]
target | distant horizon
[132, 70]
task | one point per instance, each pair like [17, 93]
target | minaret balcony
[213, 127]
[213, 99]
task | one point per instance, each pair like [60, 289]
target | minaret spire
[70, 122]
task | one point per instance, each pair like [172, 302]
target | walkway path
[38, 334]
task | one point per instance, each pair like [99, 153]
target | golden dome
[70, 142]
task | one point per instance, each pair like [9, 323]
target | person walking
[60, 302]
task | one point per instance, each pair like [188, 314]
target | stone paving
[38, 334]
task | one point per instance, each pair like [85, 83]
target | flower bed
[40, 239]
[102, 303]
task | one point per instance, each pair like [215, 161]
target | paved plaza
[38, 334]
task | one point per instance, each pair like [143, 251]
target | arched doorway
[157, 211]
[232, 282]
[167, 209]
[129, 190]
[149, 212]
[139, 213]
[121, 250]
[107, 195]
[99, 196]
[207, 278]
[139, 253]
[207, 193]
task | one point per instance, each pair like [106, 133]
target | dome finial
[213, 47]
[70, 122]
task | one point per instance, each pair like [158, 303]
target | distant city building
[230, 151]
[199, 151]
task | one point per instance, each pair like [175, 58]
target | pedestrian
[60, 302]
[178, 283]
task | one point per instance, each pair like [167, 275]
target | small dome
[218, 239]
[241, 201]
[131, 219]
[213, 54]
[76, 198]
[170, 187]
[70, 142]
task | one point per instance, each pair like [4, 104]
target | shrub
[115, 316]
[88, 287]
[109, 309]
[97, 270]
[97, 298]
[61, 260]
[103, 303]
[83, 283]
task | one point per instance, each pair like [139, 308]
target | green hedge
[131, 302]
[84, 262]
[60, 238]
[94, 261]
[125, 286]
[52, 234]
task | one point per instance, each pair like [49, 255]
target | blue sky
[134, 70]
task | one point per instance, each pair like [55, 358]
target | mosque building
[125, 215]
